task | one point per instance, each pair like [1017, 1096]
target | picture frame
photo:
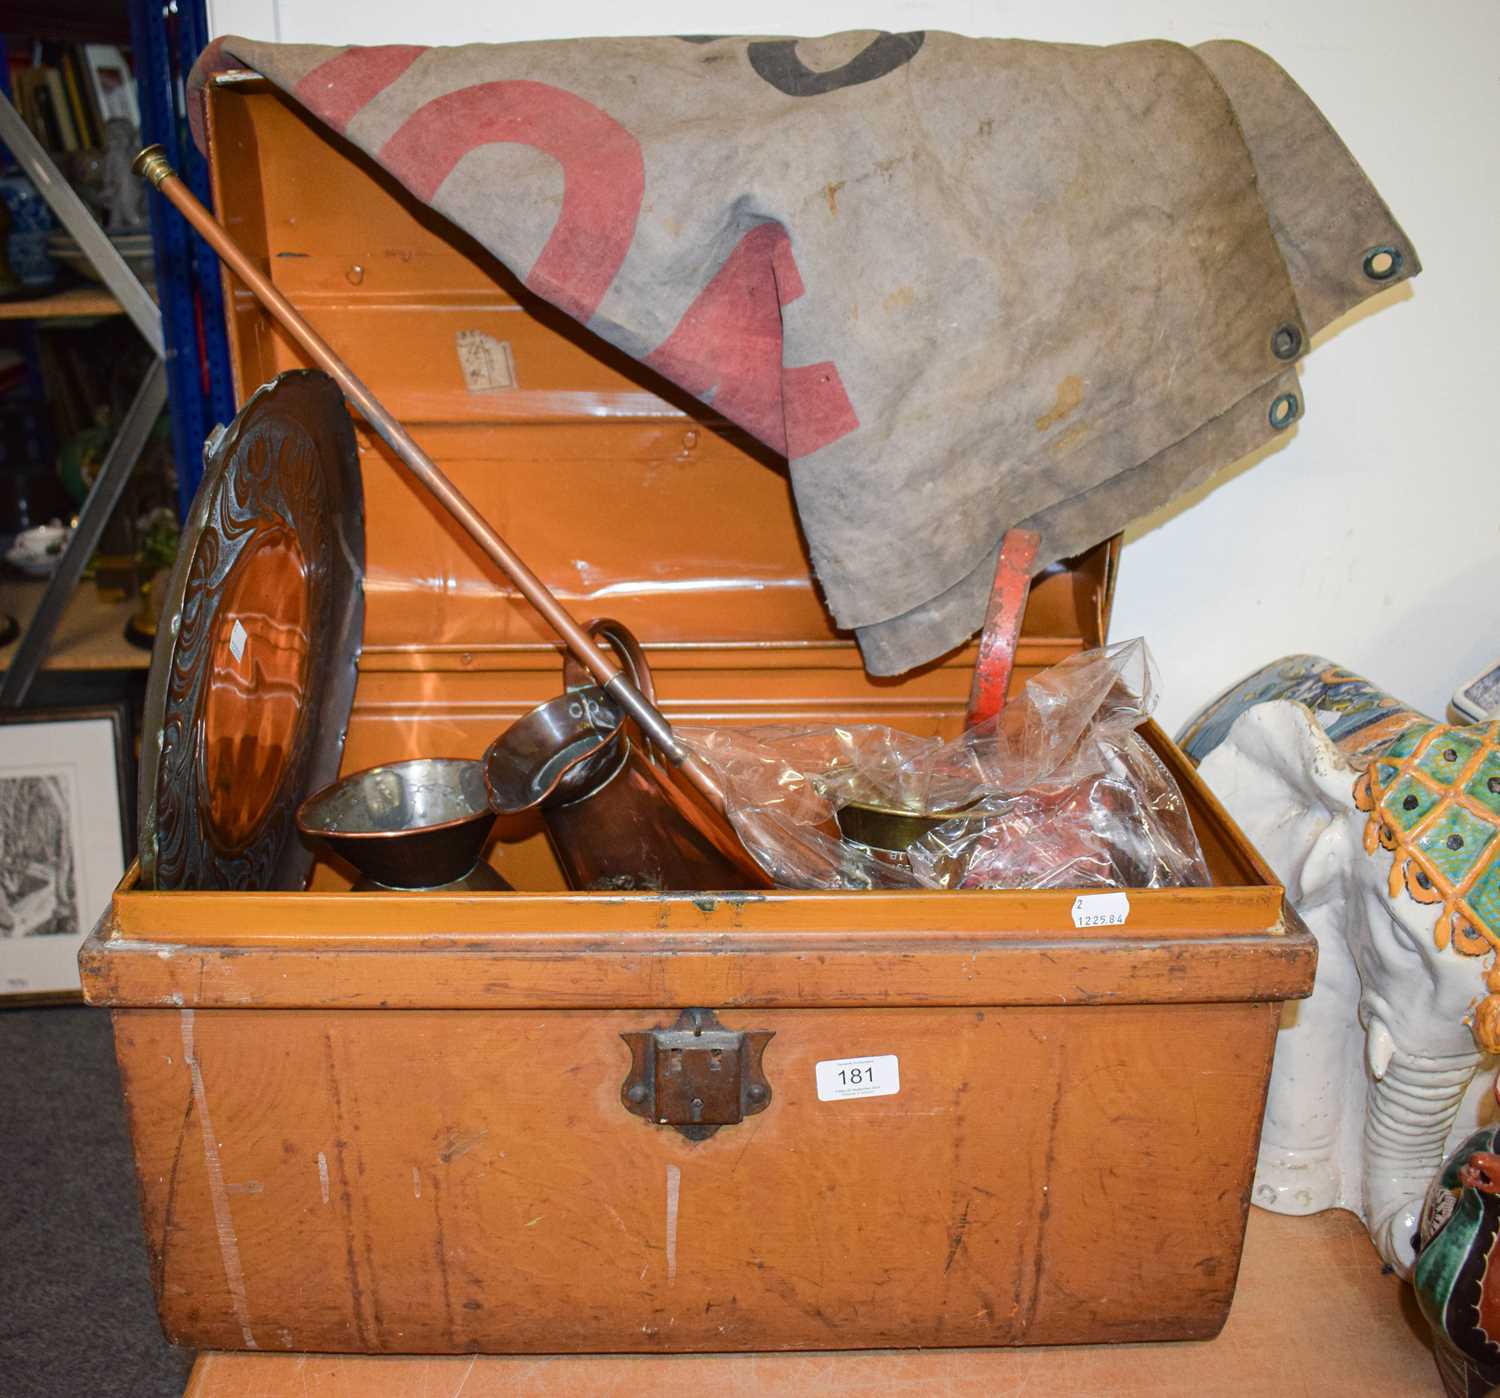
[66, 806]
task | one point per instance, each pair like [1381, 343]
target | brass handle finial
[152, 164]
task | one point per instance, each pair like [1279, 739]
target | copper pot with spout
[614, 817]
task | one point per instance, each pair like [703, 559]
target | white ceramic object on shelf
[36, 551]
[1384, 826]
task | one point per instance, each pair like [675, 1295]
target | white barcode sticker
[1100, 909]
[839, 1078]
[237, 638]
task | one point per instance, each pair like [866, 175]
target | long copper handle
[153, 165]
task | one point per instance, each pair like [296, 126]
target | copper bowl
[416, 824]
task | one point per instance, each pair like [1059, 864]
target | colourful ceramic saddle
[1432, 791]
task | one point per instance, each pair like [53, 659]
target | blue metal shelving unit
[166, 36]
[25, 330]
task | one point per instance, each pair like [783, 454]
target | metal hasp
[696, 1076]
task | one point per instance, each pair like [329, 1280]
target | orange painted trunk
[431, 1123]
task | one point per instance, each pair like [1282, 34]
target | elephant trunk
[1411, 1108]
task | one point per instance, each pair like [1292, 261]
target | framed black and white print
[64, 830]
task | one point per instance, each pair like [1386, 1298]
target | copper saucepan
[613, 815]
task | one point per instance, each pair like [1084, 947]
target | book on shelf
[114, 86]
[90, 130]
[62, 115]
[36, 108]
[66, 93]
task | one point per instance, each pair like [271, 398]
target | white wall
[1373, 534]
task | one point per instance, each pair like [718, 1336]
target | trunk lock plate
[696, 1076]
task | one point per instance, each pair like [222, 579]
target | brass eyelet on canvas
[1286, 408]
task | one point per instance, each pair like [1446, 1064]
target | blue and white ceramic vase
[30, 223]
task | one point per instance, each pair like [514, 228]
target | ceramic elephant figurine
[1384, 827]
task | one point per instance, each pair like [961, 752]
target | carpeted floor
[76, 1312]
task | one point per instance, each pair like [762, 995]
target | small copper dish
[558, 754]
[420, 824]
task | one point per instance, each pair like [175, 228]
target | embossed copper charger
[253, 672]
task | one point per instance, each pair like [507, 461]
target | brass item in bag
[887, 828]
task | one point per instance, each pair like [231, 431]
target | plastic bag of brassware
[1059, 791]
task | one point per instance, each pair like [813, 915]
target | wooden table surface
[1313, 1315]
[75, 301]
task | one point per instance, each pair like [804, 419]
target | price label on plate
[1100, 909]
[840, 1078]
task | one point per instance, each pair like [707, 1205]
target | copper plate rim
[334, 678]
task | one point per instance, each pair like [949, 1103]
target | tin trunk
[546, 1121]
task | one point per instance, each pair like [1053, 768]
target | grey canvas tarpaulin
[962, 284]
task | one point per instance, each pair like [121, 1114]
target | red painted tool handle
[1002, 626]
